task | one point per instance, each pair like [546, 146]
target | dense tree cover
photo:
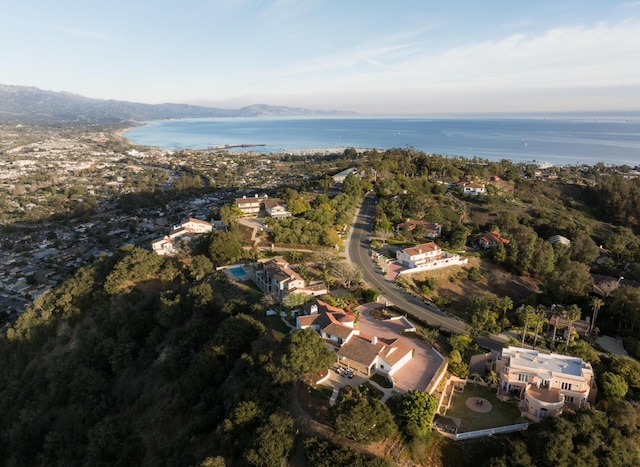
[416, 410]
[128, 364]
[306, 353]
[360, 416]
[319, 222]
[586, 438]
[323, 453]
[619, 200]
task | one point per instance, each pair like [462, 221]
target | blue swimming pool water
[238, 272]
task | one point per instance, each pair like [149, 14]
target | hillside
[24, 103]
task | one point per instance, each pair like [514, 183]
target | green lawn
[276, 323]
[501, 414]
[381, 380]
[322, 392]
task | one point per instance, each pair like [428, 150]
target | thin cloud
[84, 33]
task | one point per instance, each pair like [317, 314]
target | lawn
[321, 392]
[276, 323]
[501, 414]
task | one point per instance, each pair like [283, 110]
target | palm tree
[507, 304]
[556, 312]
[527, 313]
[540, 312]
[596, 303]
[493, 378]
[573, 314]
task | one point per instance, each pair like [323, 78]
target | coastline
[557, 142]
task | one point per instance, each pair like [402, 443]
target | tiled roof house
[354, 350]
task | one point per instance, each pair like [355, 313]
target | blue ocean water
[614, 140]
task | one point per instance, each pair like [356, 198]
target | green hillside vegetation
[135, 362]
[140, 359]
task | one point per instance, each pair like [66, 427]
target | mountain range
[34, 104]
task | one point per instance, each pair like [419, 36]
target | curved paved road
[358, 253]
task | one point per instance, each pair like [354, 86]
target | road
[359, 253]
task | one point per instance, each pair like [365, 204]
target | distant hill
[31, 103]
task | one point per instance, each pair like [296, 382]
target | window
[523, 377]
[544, 383]
[568, 399]
[565, 386]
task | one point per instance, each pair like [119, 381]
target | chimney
[313, 310]
[374, 340]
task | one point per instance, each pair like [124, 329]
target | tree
[570, 281]
[273, 441]
[460, 342]
[225, 247]
[306, 353]
[416, 411]
[572, 315]
[557, 311]
[527, 312]
[614, 387]
[506, 304]
[200, 266]
[362, 418]
[346, 274]
[298, 206]
[596, 304]
[540, 319]
[295, 300]
[584, 249]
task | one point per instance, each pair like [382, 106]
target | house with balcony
[545, 384]
[275, 277]
[252, 205]
[426, 256]
[276, 208]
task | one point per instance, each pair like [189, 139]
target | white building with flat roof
[544, 383]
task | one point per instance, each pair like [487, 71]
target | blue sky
[373, 57]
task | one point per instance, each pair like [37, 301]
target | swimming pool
[238, 272]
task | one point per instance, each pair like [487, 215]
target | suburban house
[275, 277]
[491, 240]
[185, 232]
[353, 350]
[544, 383]
[472, 188]
[251, 206]
[335, 325]
[434, 230]
[426, 256]
[367, 354]
[276, 208]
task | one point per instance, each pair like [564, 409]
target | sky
[375, 57]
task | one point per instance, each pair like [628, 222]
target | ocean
[558, 140]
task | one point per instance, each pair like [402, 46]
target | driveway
[420, 370]
[613, 345]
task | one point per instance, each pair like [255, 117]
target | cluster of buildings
[183, 233]
[253, 206]
[366, 354]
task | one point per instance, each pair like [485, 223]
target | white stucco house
[426, 256]
[544, 383]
